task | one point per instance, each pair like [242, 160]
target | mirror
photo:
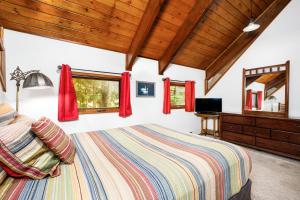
[265, 91]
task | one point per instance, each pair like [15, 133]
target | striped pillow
[7, 114]
[55, 139]
[22, 154]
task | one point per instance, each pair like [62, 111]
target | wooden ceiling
[192, 33]
[266, 78]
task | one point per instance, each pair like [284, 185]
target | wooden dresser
[275, 135]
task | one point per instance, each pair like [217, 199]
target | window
[177, 91]
[96, 93]
[254, 100]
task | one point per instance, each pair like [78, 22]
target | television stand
[204, 120]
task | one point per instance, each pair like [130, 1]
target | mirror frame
[248, 73]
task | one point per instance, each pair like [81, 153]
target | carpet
[274, 177]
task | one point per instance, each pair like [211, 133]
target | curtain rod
[87, 70]
[173, 80]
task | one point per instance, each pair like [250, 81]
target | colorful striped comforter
[142, 162]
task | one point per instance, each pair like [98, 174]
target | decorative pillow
[55, 139]
[7, 114]
[3, 175]
[22, 154]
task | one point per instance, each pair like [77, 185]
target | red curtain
[67, 102]
[249, 100]
[259, 100]
[167, 97]
[125, 105]
[189, 96]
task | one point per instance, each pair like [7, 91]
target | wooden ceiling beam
[198, 12]
[143, 31]
[216, 70]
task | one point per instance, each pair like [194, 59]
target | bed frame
[245, 193]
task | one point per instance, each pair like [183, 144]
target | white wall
[33, 52]
[278, 43]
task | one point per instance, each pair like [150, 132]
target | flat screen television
[208, 105]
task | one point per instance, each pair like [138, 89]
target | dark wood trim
[287, 83]
[2, 61]
[143, 30]
[83, 111]
[177, 84]
[96, 76]
[195, 15]
[177, 107]
[265, 113]
[232, 53]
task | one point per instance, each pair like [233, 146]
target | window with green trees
[96, 95]
[177, 95]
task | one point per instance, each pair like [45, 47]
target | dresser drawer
[279, 124]
[242, 120]
[259, 132]
[286, 136]
[240, 138]
[232, 127]
[284, 147]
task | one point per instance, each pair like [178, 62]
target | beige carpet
[274, 177]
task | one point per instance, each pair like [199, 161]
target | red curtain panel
[167, 97]
[125, 105]
[189, 96]
[259, 100]
[67, 102]
[249, 100]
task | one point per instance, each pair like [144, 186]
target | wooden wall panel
[2, 61]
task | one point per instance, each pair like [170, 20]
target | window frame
[96, 76]
[180, 85]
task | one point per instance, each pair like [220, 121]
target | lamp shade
[37, 80]
[252, 26]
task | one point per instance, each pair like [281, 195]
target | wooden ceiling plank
[230, 9]
[223, 22]
[213, 33]
[90, 38]
[255, 9]
[63, 23]
[198, 11]
[228, 57]
[239, 5]
[57, 35]
[115, 26]
[261, 4]
[94, 9]
[140, 4]
[143, 31]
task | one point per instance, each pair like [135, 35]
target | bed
[143, 162]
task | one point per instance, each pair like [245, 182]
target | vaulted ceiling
[192, 33]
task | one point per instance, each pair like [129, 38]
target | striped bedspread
[141, 162]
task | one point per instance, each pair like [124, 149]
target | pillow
[22, 154]
[55, 139]
[3, 175]
[7, 114]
